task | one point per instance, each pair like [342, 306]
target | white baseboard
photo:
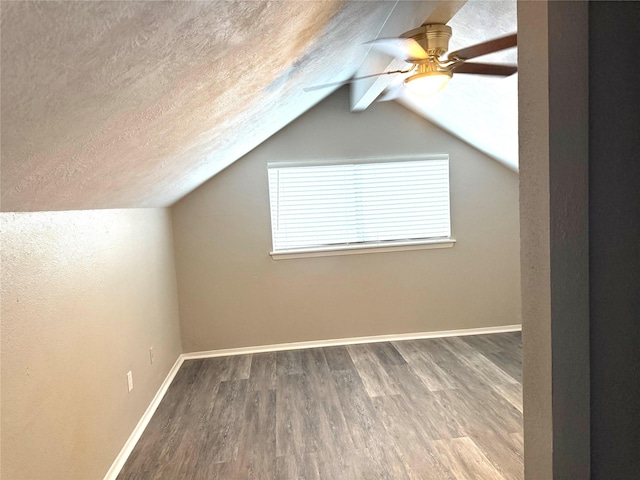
[350, 341]
[142, 424]
[146, 417]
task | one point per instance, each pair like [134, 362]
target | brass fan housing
[430, 79]
[434, 38]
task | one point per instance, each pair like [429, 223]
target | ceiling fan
[425, 48]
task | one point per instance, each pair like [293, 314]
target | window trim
[363, 248]
[356, 249]
[358, 160]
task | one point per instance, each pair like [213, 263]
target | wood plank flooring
[447, 408]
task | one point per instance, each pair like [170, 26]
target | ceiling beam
[402, 18]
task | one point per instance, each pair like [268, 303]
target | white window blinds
[359, 203]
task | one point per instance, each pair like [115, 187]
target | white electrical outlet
[130, 380]
[151, 355]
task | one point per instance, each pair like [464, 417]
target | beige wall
[233, 294]
[533, 99]
[553, 69]
[84, 296]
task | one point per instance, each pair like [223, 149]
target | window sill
[360, 249]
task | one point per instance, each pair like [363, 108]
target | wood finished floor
[448, 408]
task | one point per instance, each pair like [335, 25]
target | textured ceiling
[134, 104]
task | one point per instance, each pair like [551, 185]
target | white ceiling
[134, 104]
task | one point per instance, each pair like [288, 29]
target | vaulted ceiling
[134, 104]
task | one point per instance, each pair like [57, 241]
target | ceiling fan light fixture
[427, 83]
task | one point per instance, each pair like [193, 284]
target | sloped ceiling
[134, 104]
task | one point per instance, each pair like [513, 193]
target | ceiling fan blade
[350, 80]
[480, 49]
[393, 91]
[403, 48]
[486, 69]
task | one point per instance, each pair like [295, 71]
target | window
[359, 205]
